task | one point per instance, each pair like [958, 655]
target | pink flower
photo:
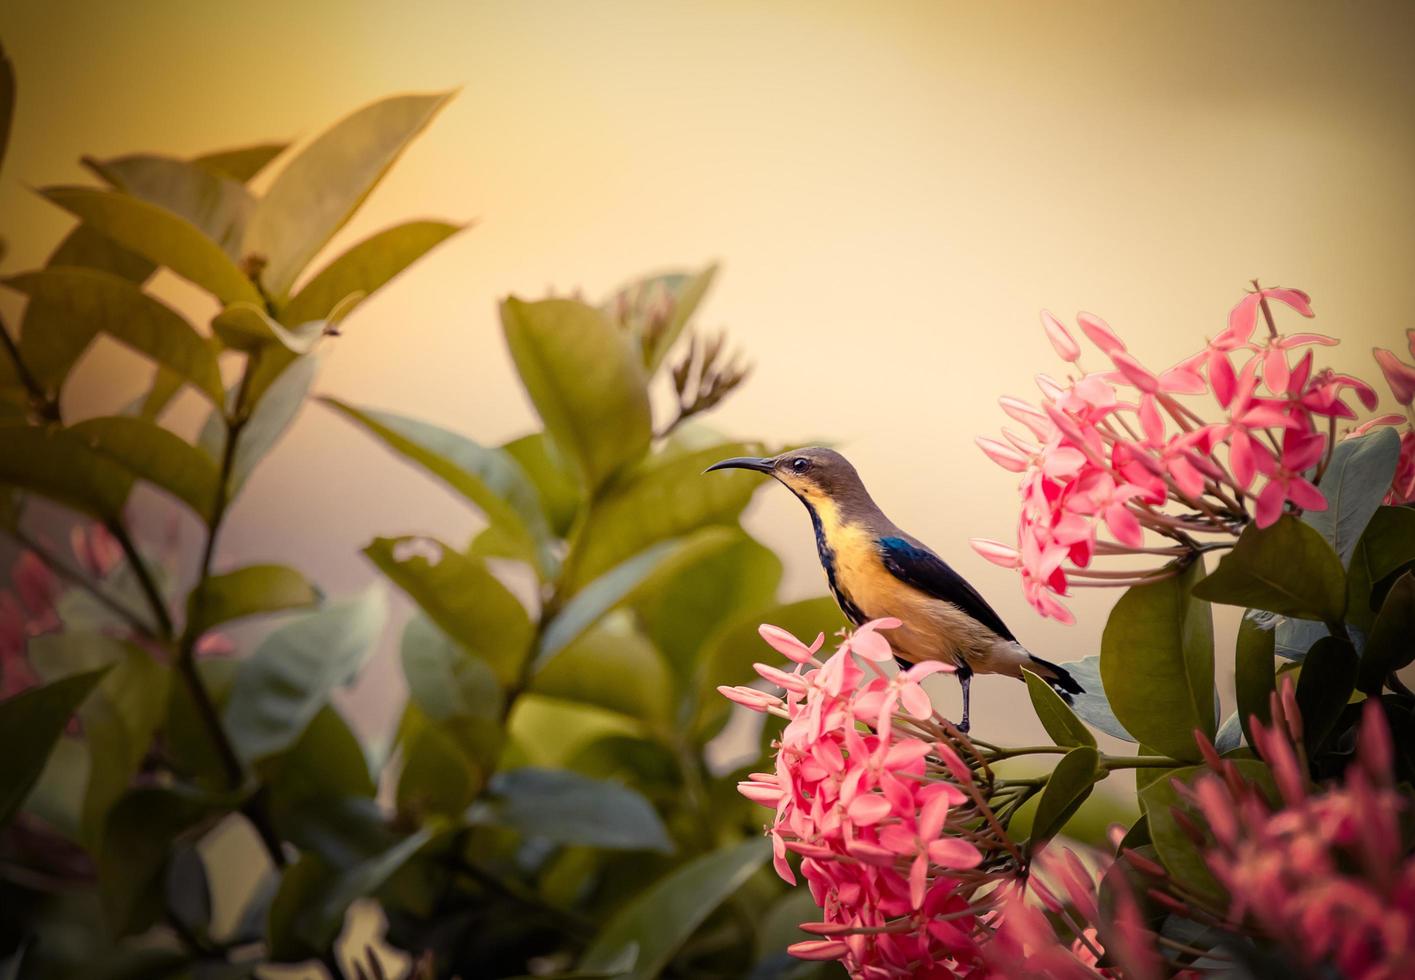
[1399, 375]
[97, 551]
[787, 645]
[1300, 452]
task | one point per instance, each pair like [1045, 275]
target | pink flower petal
[915, 702]
[1400, 376]
[1243, 318]
[869, 809]
[951, 852]
[1222, 378]
[996, 552]
[871, 646]
[1100, 333]
[1294, 298]
[1002, 454]
[818, 949]
[1065, 345]
[785, 644]
[1269, 507]
[1275, 370]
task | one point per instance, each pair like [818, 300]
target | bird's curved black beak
[743, 463]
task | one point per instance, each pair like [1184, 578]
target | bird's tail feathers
[1059, 678]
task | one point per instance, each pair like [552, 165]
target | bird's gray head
[814, 474]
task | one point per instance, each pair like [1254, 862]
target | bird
[876, 570]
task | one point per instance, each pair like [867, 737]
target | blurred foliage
[549, 803]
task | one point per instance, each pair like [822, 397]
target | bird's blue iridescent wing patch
[918, 566]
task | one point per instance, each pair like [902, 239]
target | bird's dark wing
[916, 565]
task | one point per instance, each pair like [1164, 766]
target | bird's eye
[800, 464]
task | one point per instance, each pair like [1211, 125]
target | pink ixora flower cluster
[1324, 875]
[896, 841]
[1111, 454]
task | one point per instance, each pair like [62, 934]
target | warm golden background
[894, 190]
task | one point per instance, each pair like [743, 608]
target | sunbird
[875, 570]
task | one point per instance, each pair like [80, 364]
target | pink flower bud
[1066, 347]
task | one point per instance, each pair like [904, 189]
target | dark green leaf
[274, 413]
[160, 236]
[490, 478]
[281, 686]
[438, 776]
[1387, 545]
[664, 498]
[1055, 714]
[157, 455]
[585, 380]
[1092, 706]
[1391, 644]
[461, 596]
[1355, 481]
[1253, 674]
[327, 762]
[663, 917]
[1324, 687]
[247, 327]
[214, 204]
[364, 269]
[567, 808]
[554, 479]
[187, 739]
[30, 724]
[250, 591]
[243, 162]
[677, 293]
[1157, 663]
[1287, 568]
[321, 188]
[613, 666]
[189, 891]
[1067, 788]
[55, 463]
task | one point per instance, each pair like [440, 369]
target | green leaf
[611, 665]
[567, 808]
[597, 598]
[1091, 705]
[280, 687]
[1387, 545]
[55, 463]
[30, 724]
[250, 591]
[165, 385]
[214, 204]
[186, 736]
[1157, 663]
[1070, 783]
[490, 478]
[188, 891]
[438, 776]
[446, 680]
[364, 269]
[637, 305]
[139, 836]
[157, 455]
[664, 498]
[1324, 687]
[1391, 644]
[461, 596]
[242, 162]
[1254, 677]
[586, 382]
[160, 236]
[663, 917]
[91, 302]
[1287, 568]
[1354, 483]
[560, 496]
[1055, 714]
[247, 327]
[325, 763]
[320, 189]
[273, 415]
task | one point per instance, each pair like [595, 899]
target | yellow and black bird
[875, 570]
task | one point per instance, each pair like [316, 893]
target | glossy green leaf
[597, 598]
[280, 687]
[1387, 545]
[216, 205]
[1391, 644]
[247, 327]
[30, 724]
[273, 415]
[1091, 705]
[250, 591]
[1253, 674]
[165, 385]
[325, 763]
[461, 596]
[242, 162]
[585, 381]
[437, 775]
[1324, 687]
[664, 916]
[554, 479]
[662, 499]
[489, 478]
[1157, 663]
[57, 464]
[160, 236]
[319, 190]
[365, 268]
[1067, 788]
[656, 309]
[1354, 483]
[549, 732]
[567, 808]
[92, 302]
[611, 665]
[157, 455]
[1055, 714]
[1287, 568]
[140, 834]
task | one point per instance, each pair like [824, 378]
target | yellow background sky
[894, 191]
